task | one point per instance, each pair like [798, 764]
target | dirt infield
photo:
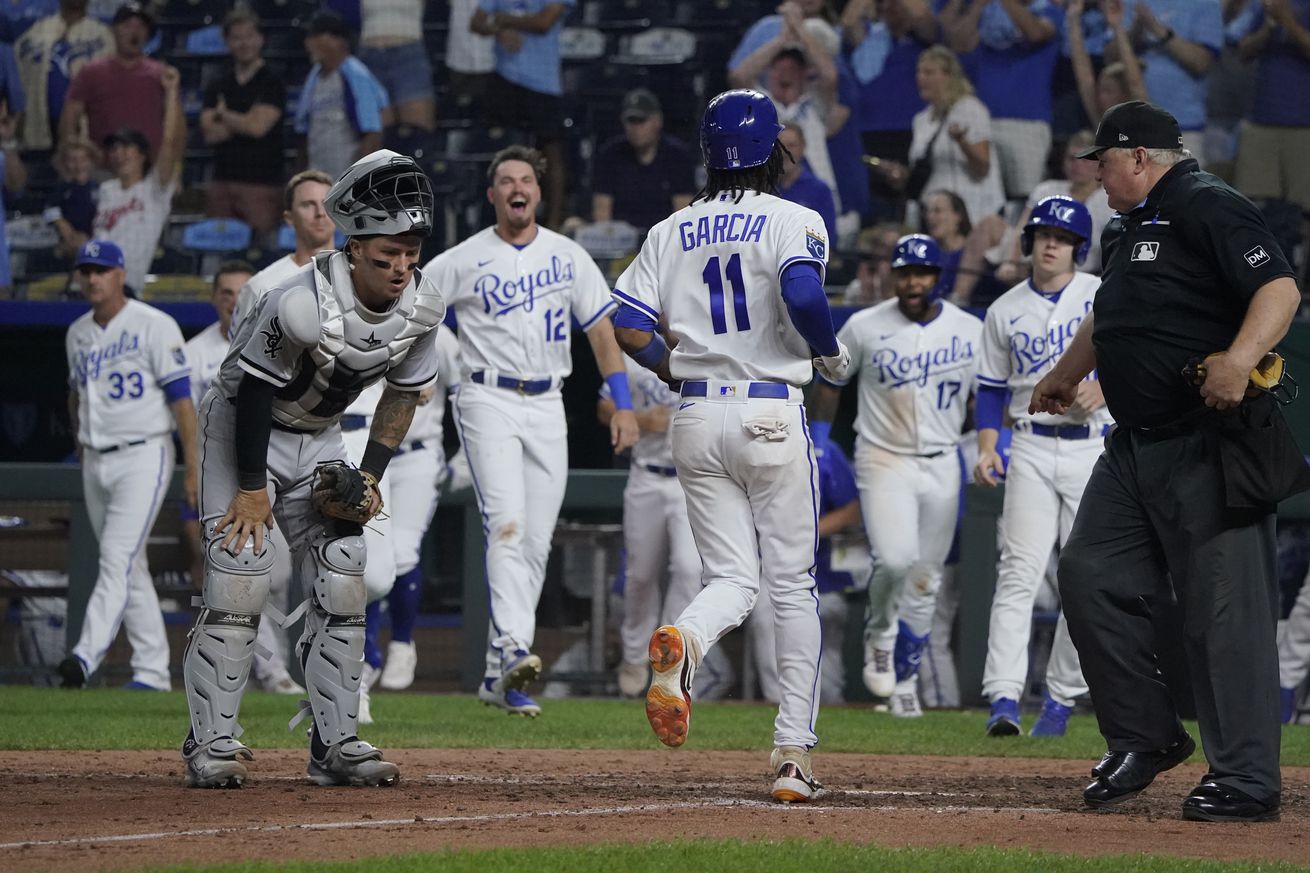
[82, 811]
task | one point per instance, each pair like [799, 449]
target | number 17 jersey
[713, 270]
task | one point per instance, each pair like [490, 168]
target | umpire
[1182, 503]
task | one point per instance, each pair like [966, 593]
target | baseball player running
[205, 353]
[269, 437]
[1294, 655]
[1051, 456]
[738, 275]
[916, 357]
[395, 539]
[516, 289]
[662, 567]
[129, 387]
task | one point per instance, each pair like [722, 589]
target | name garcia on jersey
[721, 228]
[501, 294]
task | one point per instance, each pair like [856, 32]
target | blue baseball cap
[101, 253]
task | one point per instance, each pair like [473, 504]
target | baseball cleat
[282, 683]
[518, 674]
[1052, 721]
[794, 780]
[353, 762]
[71, 672]
[512, 701]
[904, 701]
[367, 678]
[398, 672]
[634, 679]
[668, 702]
[879, 671]
[1004, 719]
[216, 764]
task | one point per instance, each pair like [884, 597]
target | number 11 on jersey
[714, 279]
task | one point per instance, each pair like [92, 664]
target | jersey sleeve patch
[815, 244]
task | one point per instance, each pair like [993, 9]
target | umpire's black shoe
[1213, 801]
[1121, 775]
[71, 672]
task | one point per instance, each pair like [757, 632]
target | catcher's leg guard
[222, 643]
[331, 648]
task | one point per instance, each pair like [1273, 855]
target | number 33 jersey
[119, 371]
[515, 306]
[712, 269]
[915, 378]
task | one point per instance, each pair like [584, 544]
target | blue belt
[415, 446]
[523, 386]
[119, 446]
[354, 422]
[1067, 431]
[661, 471]
[770, 390]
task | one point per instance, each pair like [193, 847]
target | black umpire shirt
[1179, 273]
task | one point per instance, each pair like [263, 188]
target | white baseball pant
[751, 479]
[764, 647]
[517, 450]
[909, 504]
[271, 638]
[1294, 642]
[380, 571]
[1043, 486]
[123, 491]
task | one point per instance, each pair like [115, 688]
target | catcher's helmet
[384, 194]
[917, 250]
[738, 130]
[1065, 213]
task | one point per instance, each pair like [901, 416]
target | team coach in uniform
[1185, 494]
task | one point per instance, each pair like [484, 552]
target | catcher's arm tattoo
[391, 420]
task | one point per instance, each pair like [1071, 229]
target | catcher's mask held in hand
[1270, 377]
[345, 492]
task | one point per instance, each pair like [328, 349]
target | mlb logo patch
[1257, 257]
[727, 390]
[815, 243]
[1146, 251]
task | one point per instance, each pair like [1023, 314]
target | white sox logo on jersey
[273, 337]
[1035, 352]
[502, 295]
[87, 363]
[917, 369]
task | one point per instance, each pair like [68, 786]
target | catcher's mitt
[342, 491]
[1270, 377]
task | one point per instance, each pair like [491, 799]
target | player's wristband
[653, 355]
[376, 457]
[619, 392]
[821, 431]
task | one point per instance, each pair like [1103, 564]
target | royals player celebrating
[1051, 456]
[516, 289]
[299, 358]
[738, 274]
[916, 357]
[128, 386]
[394, 541]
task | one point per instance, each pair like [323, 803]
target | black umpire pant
[1154, 514]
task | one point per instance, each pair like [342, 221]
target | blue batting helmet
[1065, 213]
[917, 250]
[738, 130]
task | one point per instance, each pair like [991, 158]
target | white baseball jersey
[313, 339]
[1025, 333]
[205, 353]
[134, 218]
[914, 378]
[648, 391]
[516, 305]
[428, 418]
[712, 270]
[119, 373]
[260, 284]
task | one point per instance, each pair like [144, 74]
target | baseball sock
[403, 600]
[372, 627]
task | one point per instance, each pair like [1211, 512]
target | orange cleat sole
[668, 707]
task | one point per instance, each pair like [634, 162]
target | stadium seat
[656, 46]
[286, 238]
[217, 235]
[207, 41]
[608, 239]
[175, 287]
[53, 287]
[581, 44]
[30, 232]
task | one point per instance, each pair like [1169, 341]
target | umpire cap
[1134, 124]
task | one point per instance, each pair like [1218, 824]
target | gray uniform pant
[1154, 516]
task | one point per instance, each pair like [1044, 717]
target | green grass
[731, 856]
[33, 718]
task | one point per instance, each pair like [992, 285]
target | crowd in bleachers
[135, 121]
